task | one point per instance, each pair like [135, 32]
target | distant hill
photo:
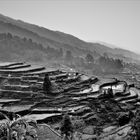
[58, 40]
[14, 48]
[123, 54]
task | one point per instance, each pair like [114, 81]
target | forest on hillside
[17, 48]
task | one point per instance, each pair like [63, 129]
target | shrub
[79, 125]
[17, 129]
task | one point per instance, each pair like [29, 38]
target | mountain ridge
[57, 39]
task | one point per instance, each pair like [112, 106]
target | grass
[45, 133]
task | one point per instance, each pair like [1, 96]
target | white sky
[113, 21]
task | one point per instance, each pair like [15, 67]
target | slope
[58, 39]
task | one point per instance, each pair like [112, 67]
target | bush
[79, 125]
[18, 128]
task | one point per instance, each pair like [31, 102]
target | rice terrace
[95, 113]
[69, 70]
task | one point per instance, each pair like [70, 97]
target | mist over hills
[57, 40]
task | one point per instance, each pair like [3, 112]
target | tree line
[102, 63]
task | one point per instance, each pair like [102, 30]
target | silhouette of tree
[109, 64]
[89, 58]
[9, 36]
[47, 84]
[60, 52]
[66, 126]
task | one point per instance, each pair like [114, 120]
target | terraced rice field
[21, 91]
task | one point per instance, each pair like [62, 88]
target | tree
[9, 36]
[89, 58]
[69, 56]
[136, 124]
[47, 84]
[66, 126]
[110, 65]
[30, 40]
[60, 52]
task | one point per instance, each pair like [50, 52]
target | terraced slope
[21, 91]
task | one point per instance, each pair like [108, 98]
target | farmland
[81, 96]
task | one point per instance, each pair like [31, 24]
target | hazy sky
[112, 21]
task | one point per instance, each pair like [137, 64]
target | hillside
[51, 38]
[94, 111]
[14, 48]
[56, 39]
